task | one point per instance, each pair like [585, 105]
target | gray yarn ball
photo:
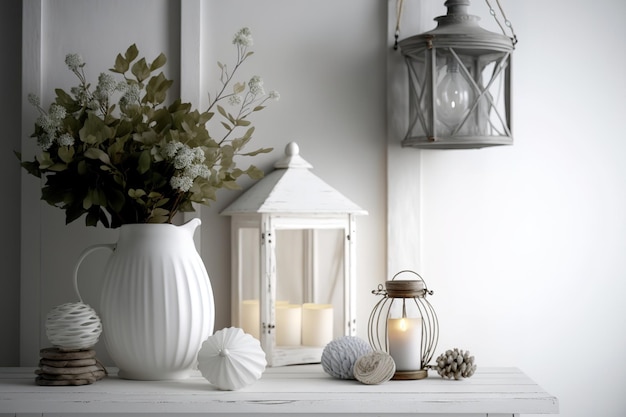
[339, 356]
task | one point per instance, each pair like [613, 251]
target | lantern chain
[399, 6]
[507, 22]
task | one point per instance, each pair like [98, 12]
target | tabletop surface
[289, 390]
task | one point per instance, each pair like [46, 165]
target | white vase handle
[83, 255]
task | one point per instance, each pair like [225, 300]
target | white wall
[522, 244]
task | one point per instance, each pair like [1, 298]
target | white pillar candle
[317, 324]
[288, 324]
[250, 320]
[405, 338]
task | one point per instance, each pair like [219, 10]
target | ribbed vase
[157, 305]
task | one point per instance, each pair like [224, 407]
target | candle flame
[402, 325]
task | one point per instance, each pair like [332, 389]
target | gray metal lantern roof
[292, 188]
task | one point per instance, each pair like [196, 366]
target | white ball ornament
[340, 355]
[231, 359]
[374, 368]
[73, 326]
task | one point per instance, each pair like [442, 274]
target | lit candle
[405, 337]
[250, 321]
[317, 324]
[288, 324]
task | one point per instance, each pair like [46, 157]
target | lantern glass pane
[458, 97]
[309, 285]
[494, 70]
[249, 287]
[420, 94]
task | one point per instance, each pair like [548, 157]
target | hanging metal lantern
[459, 83]
[404, 324]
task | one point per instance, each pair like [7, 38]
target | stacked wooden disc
[77, 367]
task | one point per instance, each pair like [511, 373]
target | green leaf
[148, 137]
[223, 112]
[115, 200]
[32, 168]
[231, 185]
[96, 153]
[133, 193]
[95, 131]
[81, 168]
[58, 167]
[131, 53]
[65, 100]
[158, 62]
[143, 164]
[140, 70]
[156, 90]
[254, 173]
[120, 66]
[92, 218]
[161, 202]
[66, 153]
[239, 88]
[44, 160]
[258, 151]
[159, 215]
[87, 202]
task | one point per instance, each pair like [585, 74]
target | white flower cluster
[188, 163]
[256, 86]
[74, 61]
[106, 86]
[274, 95]
[132, 93]
[50, 123]
[243, 38]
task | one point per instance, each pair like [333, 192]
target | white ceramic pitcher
[156, 304]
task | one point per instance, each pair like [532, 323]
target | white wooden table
[303, 390]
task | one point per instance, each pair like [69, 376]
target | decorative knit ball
[374, 368]
[339, 356]
[231, 359]
[73, 326]
[455, 363]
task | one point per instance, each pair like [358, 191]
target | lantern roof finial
[292, 158]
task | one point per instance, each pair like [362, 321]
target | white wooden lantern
[293, 262]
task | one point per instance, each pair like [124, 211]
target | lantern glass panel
[458, 94]
[310, 274]
[249, 276]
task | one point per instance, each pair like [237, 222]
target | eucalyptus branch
[139, 160]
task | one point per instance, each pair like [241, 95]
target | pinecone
[455, 364]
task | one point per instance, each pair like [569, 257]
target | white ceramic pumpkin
[231, 359]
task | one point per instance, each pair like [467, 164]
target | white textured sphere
[73, 326]
[231, 359]
[340, 355]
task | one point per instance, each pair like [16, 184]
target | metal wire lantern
[404, 324]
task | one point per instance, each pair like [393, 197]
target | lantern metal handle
[426, 290]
